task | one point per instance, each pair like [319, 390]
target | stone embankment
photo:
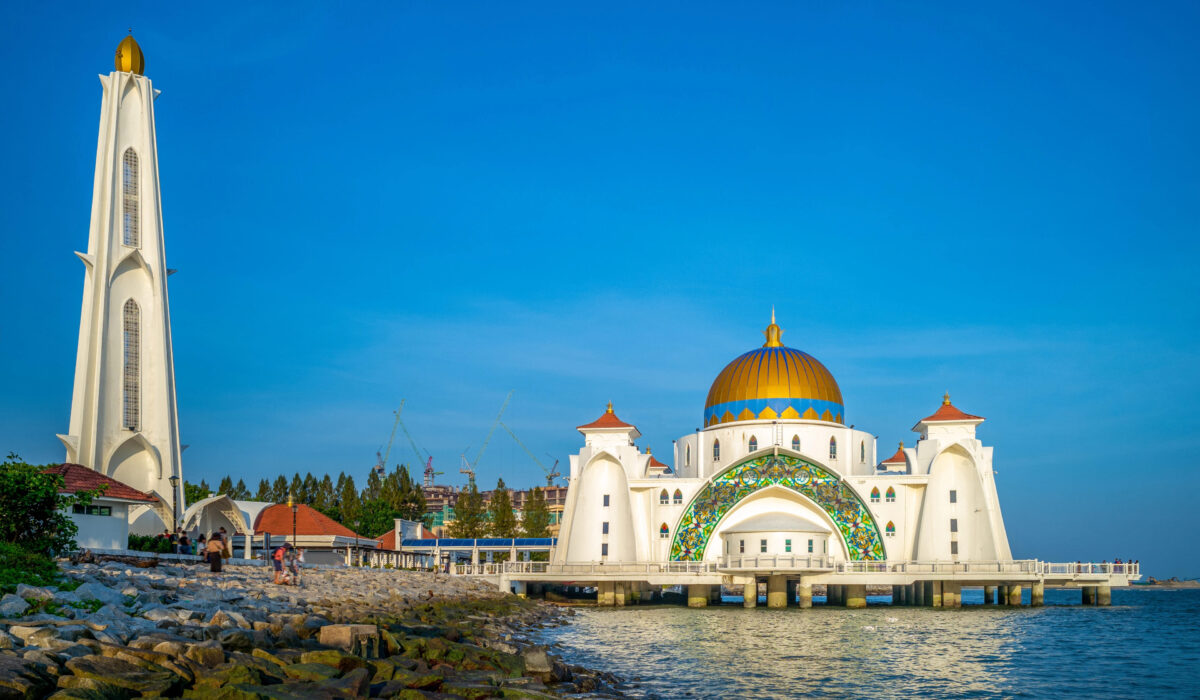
[114, 631]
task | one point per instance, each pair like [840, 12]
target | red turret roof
[606, 420]
[947, 413]
[897, 458]
[77, 477]
[277, 520]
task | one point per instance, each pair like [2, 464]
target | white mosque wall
[602, 478]
[855, 453]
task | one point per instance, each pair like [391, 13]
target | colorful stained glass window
[795, 443]
[716, 450]
[678, 497]
[753, 443]
[891, 495]
[890, 530]
[875, 495]
[833, 448]
[664, 498]
[664, 532]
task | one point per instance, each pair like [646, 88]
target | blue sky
[441, 203]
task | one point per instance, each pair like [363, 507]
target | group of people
[215, 548]
[287, 560]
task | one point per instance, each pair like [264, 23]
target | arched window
[753, 443]
[664, 498]
[890, 529]
[862, 451]
[795, 443]
[678, 497]
[716, 450]
[833, 448]
[132, 393]
[891, 495]
[663, 531]
[875, 495]
[129, 199]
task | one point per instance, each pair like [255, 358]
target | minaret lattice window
[132, 393]
[130, 236]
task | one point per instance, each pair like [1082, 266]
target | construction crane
[551, 473]
[467, 467]
[430, 473]
[422, 455]
[381, 464]
[488, 439]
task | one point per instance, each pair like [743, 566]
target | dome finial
[773, 333]
[946, 399]
[129, 56]
[609, 407]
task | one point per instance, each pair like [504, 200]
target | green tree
[535, 517]
[309, 488]
[194, 492]
[469, 515]
[504, 521]
[33, 511]
[279, 490]
[323, 497]
[226, 486]
[264, 491]
[240, 492]
[349, 504]
[412, 497]
[296, 489]
[375, 518]
[374, 487]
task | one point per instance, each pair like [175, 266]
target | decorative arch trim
[713, 502]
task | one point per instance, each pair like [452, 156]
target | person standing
[215, 549]
[227, 544]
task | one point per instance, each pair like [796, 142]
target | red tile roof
[607, 420]
[77, 477]
[947, 413]
[277, 520]
[897, 458]
[388, 540]
[654, 461]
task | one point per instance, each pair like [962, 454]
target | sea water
[1146, 645]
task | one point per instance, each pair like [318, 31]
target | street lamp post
[294, 508]
[175, 500]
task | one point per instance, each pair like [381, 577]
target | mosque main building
[776, 475]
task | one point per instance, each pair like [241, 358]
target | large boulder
[34, 593]
[104, 594]
[123, 674]
[12, 606]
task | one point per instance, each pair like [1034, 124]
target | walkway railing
[778, 562]
[1073, 568]
[605, 567]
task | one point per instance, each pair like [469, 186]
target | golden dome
[130, 58]
[773, 382]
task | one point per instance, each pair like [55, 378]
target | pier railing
[596, 567]
[1076, 568]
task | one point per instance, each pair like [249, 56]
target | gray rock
[33, 592]
[7, 641]
[12, 606]
[537, 661]
[104, 594]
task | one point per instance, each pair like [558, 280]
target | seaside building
[123, 410]
[776, 471]
[103, 523]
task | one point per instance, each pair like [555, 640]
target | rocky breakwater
[112, 631]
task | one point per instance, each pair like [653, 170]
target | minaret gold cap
[774, 333]
[946, 399]
[609, 409]
[129, 58]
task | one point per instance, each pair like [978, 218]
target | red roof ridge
[77, 477]
[608, 419]
[277, 520]
[897, 458]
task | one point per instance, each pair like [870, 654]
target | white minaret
[123, 415]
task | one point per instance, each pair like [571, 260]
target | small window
[833, 448]
[687, 456]
[664, 498]
[795, 443]
[891, 529]
[953, 496]
[787, 546]
[604, 549]
[762, 546]
[862, 451]
[875, 495]
[604, 528]
[663, 531]
[891, 495]
[716, 450]
[953, 524]
[753, 443]
[810, 546]
[678, 497]
[606, 500]
[741, 546]
[91, 510]
[954, 548]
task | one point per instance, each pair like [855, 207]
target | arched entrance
[843, 506]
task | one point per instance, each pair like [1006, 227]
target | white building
[775, 471]
[123, 409]
[103, 523]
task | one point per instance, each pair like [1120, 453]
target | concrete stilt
[804, 595]
[697, 595]
[605, 594]
[837, 595]
[519, 588]
[856, 595]
[919, 593]
[1002, 594]
[714, 595]
[1037, 594]
[1089, 595]
[1103, 595]
[620, 593]
[777, 591]
[750, 594]
[951, 594]
[1014, 594]
[936, 598]
[896, 595]
[989, 595]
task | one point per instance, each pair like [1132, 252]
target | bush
[18, 565]
[33, 511]
[150, 543]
